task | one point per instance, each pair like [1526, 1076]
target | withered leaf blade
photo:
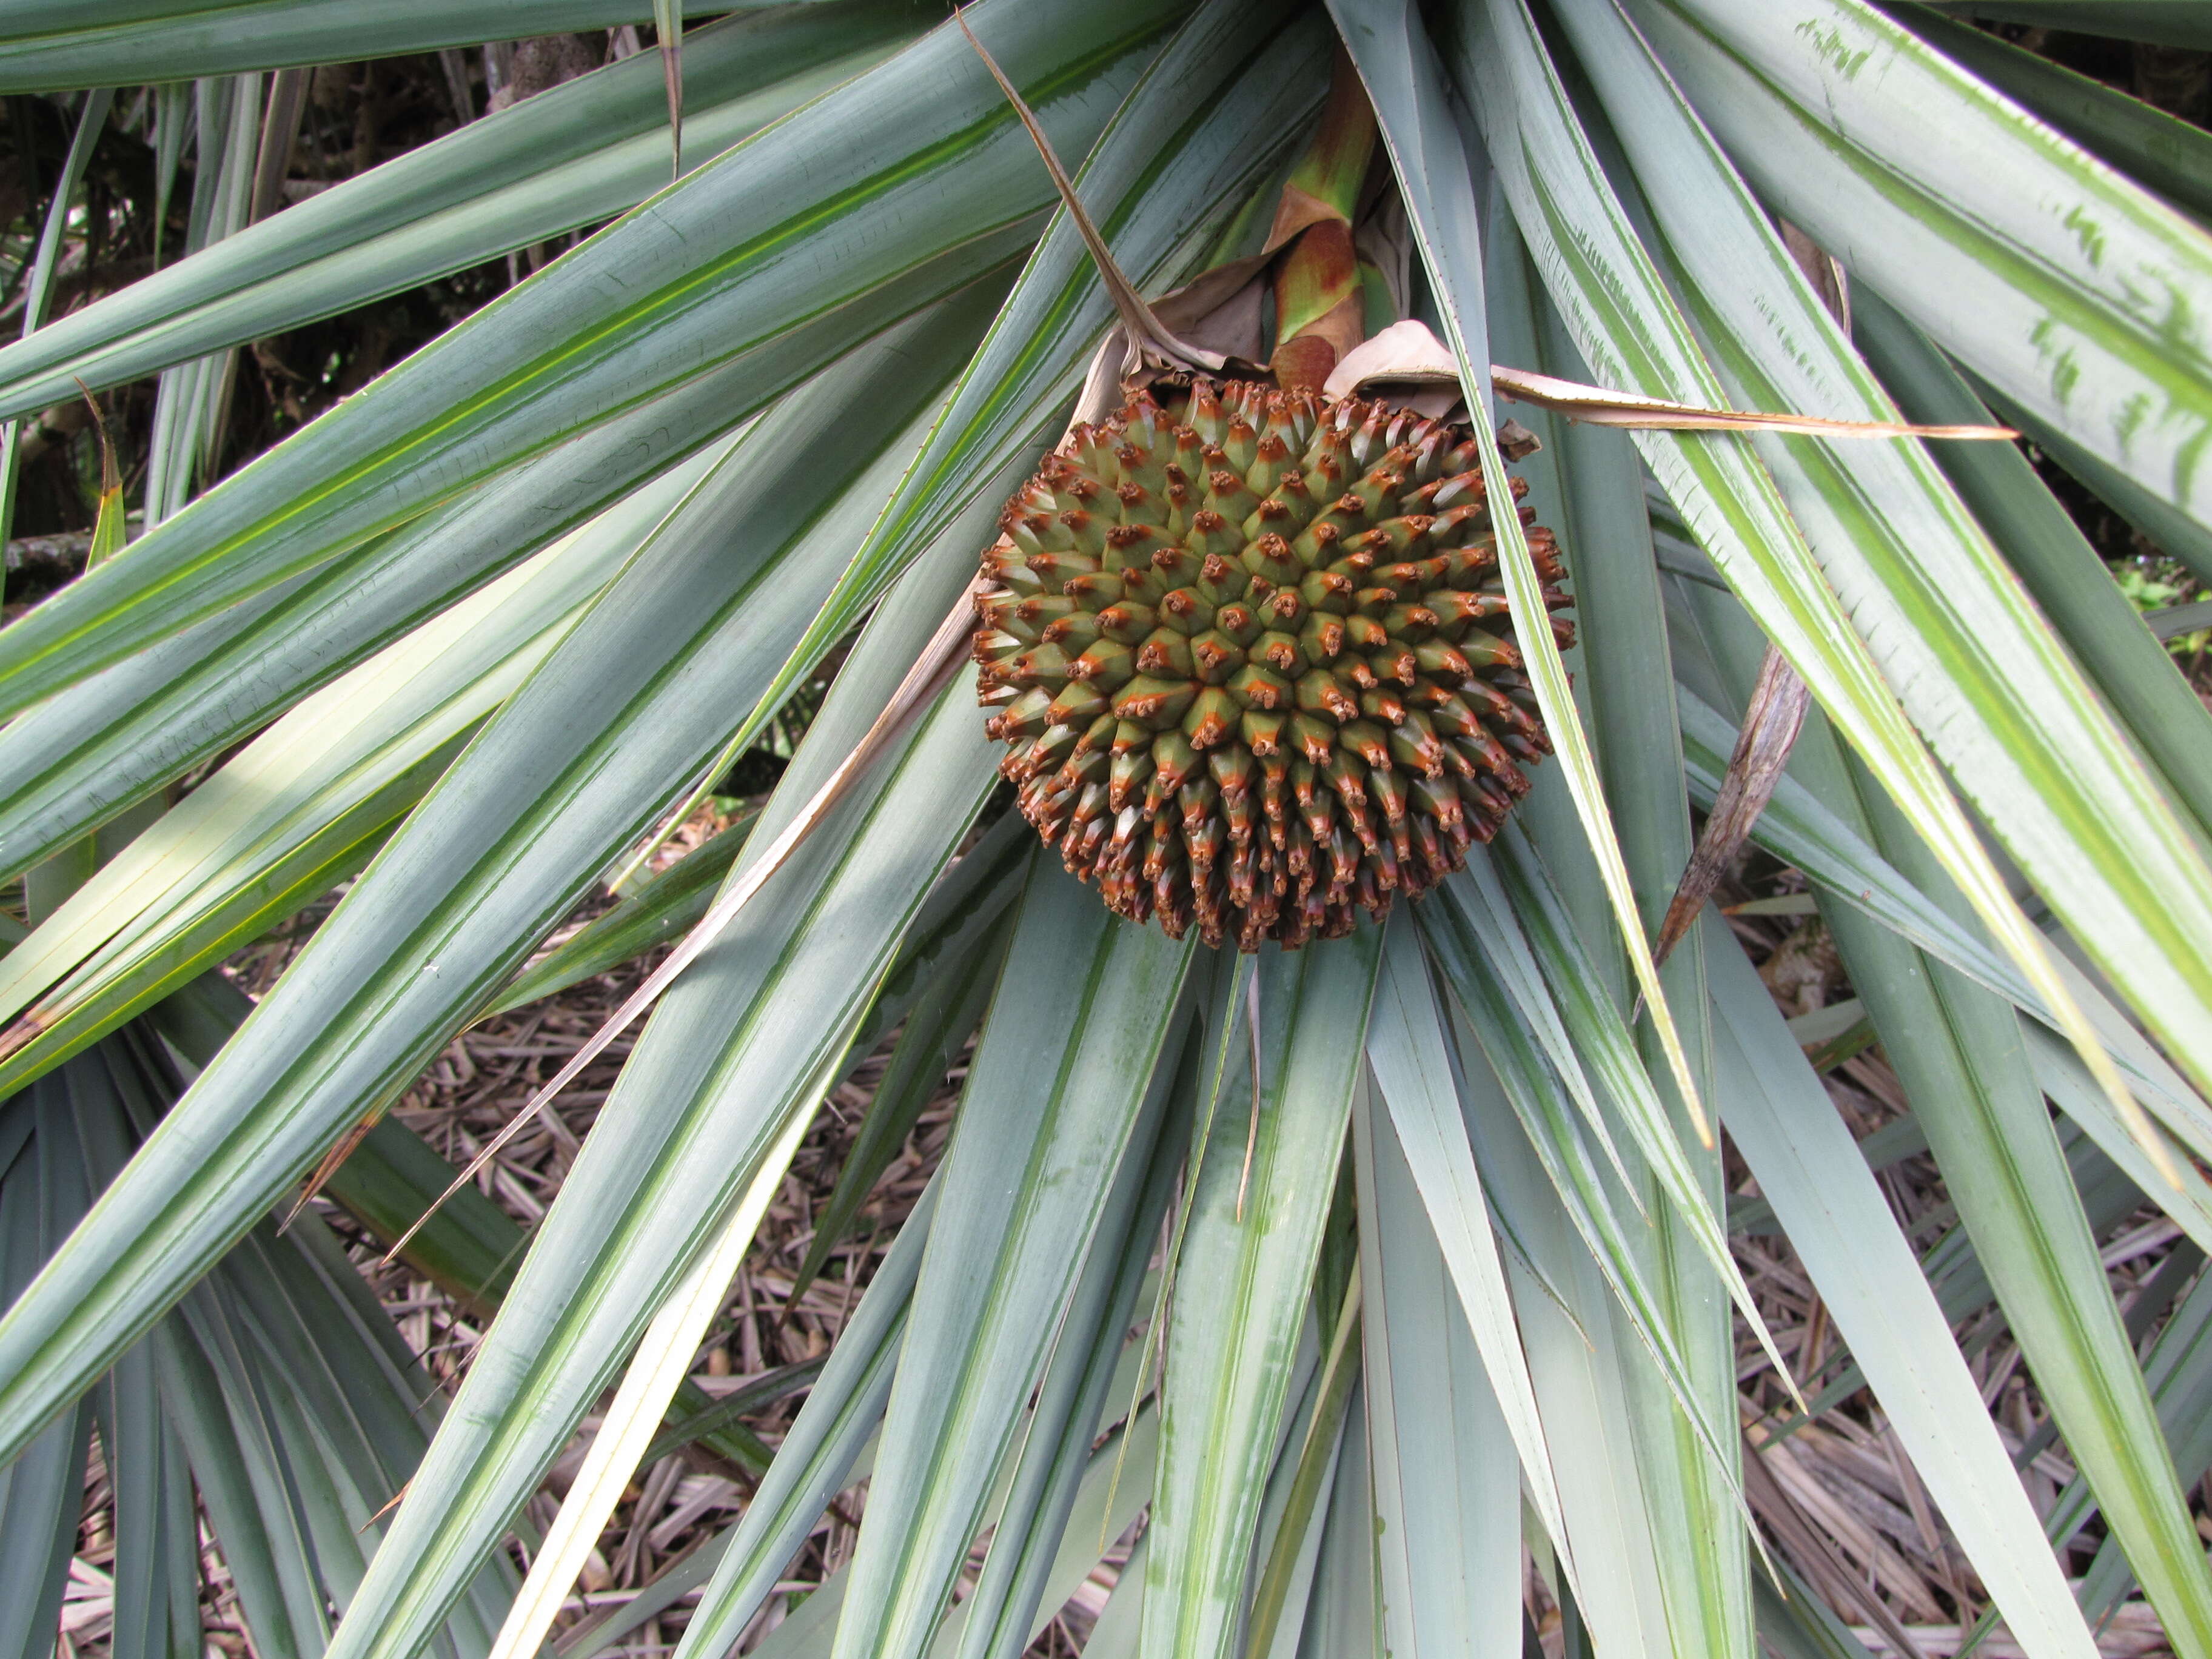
[1148, 336]
[1598, 407]
[1407, 354]
[1770, 726]
[329, 1166]
[1812, 1549]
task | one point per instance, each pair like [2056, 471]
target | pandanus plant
[1352, 1248]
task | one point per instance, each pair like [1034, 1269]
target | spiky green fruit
[1249, 651]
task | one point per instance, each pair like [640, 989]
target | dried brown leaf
[1598, 407]
[1770, 726]
[1151, 344]
[1810, 1548]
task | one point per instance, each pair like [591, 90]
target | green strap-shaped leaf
[2062, 1077]
[1201, 129]
[190, 400]
[1084, 1386]
[963, 906]
[657, 1370]
[1447, 1481]
[184, 941]
[1601, 1035]
[578, 154]
[1798, 829]
[1954, 1267]
[1630, 329]
[41, 1195]
[1409, 1052]
[1114, 1634]
[468, 1249]
[2143, 140]
[1839, 1222]
[1243, 1280]
[903, 184]
[1489, 916]
[2179, 1368]
[2040, 268]
[2044, 547]
[1116, 1482]
[572, 771]
[1796, 1624]
[1587, 1371]
[333, 752]
[2172, 531]
[305, 804]
[47, 45]
[1982, 676]
[1060, 1095]
[1343, 1611]
[1958, 1052]
[38, 284]
[1593, 1205]
[156, 1531]
[1292, 1517]
[68, 763]
[291, 1333]
[819, 1454]
[1624, 679]
[193, 1393]
[2176, 1371]
[747, 1038]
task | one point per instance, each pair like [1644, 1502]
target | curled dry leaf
[1600, 407]
[1771, 725]
[1405, 364]
[1151, 345]
[1403, 354]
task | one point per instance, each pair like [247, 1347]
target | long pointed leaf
[1036, 1529]
[1983, 677]
[1959, 1054]
[1838, 1219]
[727, 264]
[1407, 1049]
[70, 762]
[1028, 1179]
[2041, 269]
[576, 154]
[2040, 541]
[1447, 1487]
[1585, 1369]
[522, 851]
[735, 1047]
[1242, 1288]
[819, 1454]
[1549, 169]
[45, 44]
